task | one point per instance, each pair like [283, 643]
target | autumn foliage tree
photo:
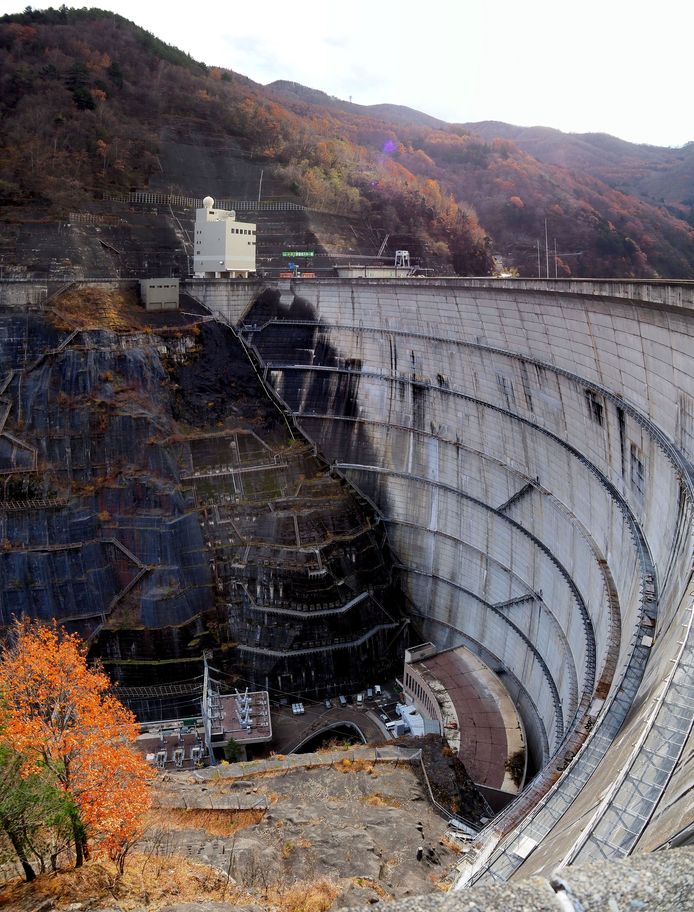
[60, 718]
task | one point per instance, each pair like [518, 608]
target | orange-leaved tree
[59, 715]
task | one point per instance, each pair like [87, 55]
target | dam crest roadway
[528, 445]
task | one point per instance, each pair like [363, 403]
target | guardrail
[153, 198]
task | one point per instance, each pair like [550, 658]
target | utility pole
[546, 251]
[260, 183]
[206, 707]
[555, 258]
[539, 274]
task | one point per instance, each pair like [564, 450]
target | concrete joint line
[585, 616]
[661, 438]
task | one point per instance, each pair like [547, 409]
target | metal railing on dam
[653, 291]
[441, 400]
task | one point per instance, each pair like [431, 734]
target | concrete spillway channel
[529, 447]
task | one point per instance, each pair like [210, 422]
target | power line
[285, 693]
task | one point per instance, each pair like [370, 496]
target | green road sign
[297, 253]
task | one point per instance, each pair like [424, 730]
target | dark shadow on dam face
[292, 336]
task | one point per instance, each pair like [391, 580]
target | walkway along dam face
[529, 447]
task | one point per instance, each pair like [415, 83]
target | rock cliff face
[156, 500]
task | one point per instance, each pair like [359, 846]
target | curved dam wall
[529, 452]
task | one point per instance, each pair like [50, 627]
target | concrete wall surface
[656, 291]
[529, 450]
[229, 297]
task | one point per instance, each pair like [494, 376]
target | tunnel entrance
[342, 732]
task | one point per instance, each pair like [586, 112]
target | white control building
[224, 248]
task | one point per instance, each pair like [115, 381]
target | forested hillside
[656, 175]
[86, 98]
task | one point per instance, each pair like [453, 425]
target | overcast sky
[614, 66]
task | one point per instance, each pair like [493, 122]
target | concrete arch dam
[529, 447]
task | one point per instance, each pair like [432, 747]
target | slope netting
[153, 497]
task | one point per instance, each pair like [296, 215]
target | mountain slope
[652, 173]
[385, 112]
[91, 104]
